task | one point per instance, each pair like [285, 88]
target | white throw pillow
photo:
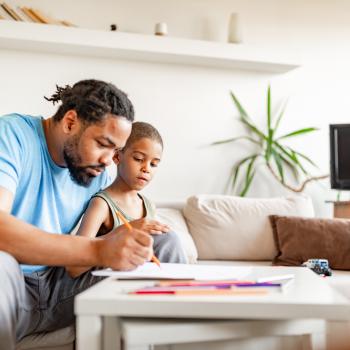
[236, 228]
[176, 221]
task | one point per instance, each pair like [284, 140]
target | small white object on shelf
[161, 29]
[234, 29]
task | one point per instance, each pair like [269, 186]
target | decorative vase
[161, 29]
[234, 29]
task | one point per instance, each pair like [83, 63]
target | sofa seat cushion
[60, 339]
[236, 228]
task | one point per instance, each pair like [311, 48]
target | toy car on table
[319, 266]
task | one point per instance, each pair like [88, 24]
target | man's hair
[141, 130]
[92, 100]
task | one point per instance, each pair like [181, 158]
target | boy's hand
[122, 249]
[150, 226]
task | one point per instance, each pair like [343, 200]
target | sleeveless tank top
[113, 206]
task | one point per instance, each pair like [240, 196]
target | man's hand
[150, 226]
[123, 249]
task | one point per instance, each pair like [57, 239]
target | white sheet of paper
[179, 271]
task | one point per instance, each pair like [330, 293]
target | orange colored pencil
[129, 227]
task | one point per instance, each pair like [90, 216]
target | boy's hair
[92, 100]
[142, 130]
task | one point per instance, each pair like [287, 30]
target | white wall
[191, 106]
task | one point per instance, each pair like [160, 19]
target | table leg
[89, 332]
[314, 341]
[112, 333]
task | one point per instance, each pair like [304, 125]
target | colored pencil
[223, 283]
[204, 292]
[208, 287]
[129, 227]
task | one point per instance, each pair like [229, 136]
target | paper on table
[179, 271]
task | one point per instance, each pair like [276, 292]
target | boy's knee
[169, 248]
[169, 239]
[172, 238]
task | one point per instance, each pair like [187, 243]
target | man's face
[91, 149]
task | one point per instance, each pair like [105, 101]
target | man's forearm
[30, 245]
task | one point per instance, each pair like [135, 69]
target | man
[49, 169]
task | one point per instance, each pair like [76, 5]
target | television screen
[340, 156]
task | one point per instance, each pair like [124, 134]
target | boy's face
[91, 149]
[138, 163]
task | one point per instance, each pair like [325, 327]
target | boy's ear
[116, 157]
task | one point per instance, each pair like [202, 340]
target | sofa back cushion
[174, 218]
[236, 228]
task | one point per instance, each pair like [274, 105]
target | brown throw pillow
[298, 239]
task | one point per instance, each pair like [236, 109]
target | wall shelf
[138, 47]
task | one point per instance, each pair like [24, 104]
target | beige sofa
[222, 229]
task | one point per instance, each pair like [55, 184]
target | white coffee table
[106, 315]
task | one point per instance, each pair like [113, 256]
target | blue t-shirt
[44, 193]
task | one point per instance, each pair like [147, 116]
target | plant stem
[291, 188]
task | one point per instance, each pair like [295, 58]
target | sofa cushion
[299, 239]
[236, 228]
[176, 221]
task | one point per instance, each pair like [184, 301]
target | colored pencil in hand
[129, 227]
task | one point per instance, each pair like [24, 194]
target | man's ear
[116, 157]
[70, 122]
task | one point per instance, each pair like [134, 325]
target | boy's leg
[167, 247]
[19, 312]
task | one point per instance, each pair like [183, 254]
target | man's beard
[72, 157]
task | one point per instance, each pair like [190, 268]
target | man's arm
[94, 217]
[31, 245]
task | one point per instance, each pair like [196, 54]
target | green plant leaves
[284, 106]
[249, 176]
[297, 133]
[269, 129]
[235, 139]
[250, 168]
[279, 158]
[244, 118]
[241, 110]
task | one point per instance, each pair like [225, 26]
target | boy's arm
[28, 244]
[95, 215]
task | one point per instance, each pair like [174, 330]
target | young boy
[137, 164]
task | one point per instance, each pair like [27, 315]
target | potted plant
[270, 151]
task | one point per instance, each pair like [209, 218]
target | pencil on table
[203, 292]
[129, 227]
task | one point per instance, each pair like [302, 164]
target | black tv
[340, 156]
